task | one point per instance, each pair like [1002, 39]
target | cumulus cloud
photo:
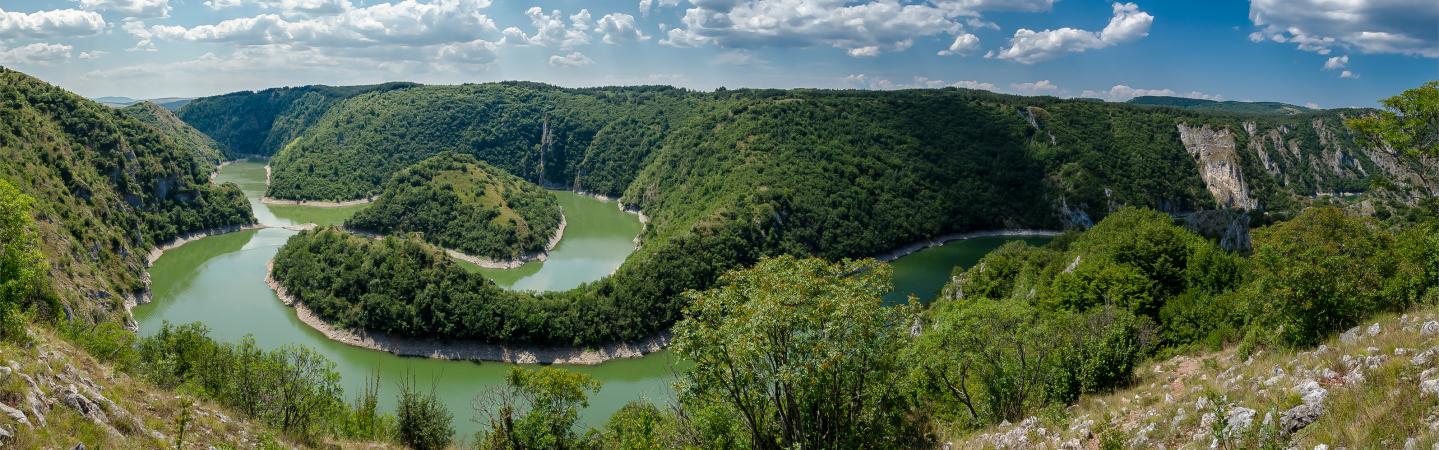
[1035, 88]
[736, 57]
[1120, 93]
[862, 81]
[574, 59]
[861, 29]
[645, 5]
[37, 53]
[407, 23]
[1348, 74]
[474, 52]
[617, 28]
[49, 24]
[963, 44]
[1029, 46]
[290, 7]
[551, 30]
[1369, 26]
[130, 8]
[1337, 62]
[223, 4]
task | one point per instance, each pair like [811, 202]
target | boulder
[1298, 417]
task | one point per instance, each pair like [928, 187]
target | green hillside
[459, 203]
[107, 189]
[260, 122]
[205, 150]
[1221, 106]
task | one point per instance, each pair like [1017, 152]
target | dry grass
[1372, 400]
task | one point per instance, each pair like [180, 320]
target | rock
[1206, 420]
[6, 434]
[1238, 419]
[1411, 444]
[14, 414]
[1298, 417]
[1429, 387]
[1349, 336]
[1321, 447]
[1429, 329]
[86, 407]
[1374, 329]
[80, 446]
[1311, 392]
[1400, 351]
[1202, 403]
[1425, 357]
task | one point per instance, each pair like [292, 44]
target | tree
[423, 422]
[23, 270]
[1409, 121]
[802, 351]
[537, 408]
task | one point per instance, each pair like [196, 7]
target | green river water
[219, 281]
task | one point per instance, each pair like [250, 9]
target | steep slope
[1374, 386]
[108, 188]
[206, 151]
[259, 123]
[459, 203]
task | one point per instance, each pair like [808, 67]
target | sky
[1319, 53]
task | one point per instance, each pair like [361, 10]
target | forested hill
[460, 203]
[259, 122]
[106, 187]
[205, 150]
[1221, 106]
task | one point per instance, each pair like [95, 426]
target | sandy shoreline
[464, 350]
[942, 239]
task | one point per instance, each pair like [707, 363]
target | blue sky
[1321, 52]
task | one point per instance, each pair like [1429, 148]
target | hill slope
[108, 188]
[1221, 106]
[206, 151]
[258, 123]
[1374, 386]
[459, 203]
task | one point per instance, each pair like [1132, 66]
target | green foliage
[24, 277]
[1220, 106]
[803, 352]
[1099, 351]
[205, 151]
[459, 203]
[990, 360]
[537, 408]
[1409, 121]
[293, 389]
[638, 425]
[259, 123]
[106, 188]
[1323, 271]
[423, 422]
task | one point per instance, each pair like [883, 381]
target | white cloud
[1120, 93]
[40, 53]
[574, 59]
[963, 44]
[645, 5]
[93, 54]
[1337, 62]
[1312, 105]
[1035, 88]
[551, 31]
[738, 57]
[53, 23]
[130, 8]
[223, 4]
[407, 23]
[617, 28]
[1369, 26]
[861, 29]
[473, 52]
[1348, 74]
[1029, 46]
[863, 81]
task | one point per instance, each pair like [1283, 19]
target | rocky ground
[54, 395]
[1373, 386]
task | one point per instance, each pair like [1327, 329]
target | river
[219, 281]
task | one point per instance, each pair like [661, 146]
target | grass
[1168, 403]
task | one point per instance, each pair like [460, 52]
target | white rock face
[1430, 328]
[1213, 151]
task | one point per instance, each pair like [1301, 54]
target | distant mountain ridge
[1198, 104]
[170, 103]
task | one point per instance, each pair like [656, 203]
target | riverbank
[487, 262]
[463, 350]
[142, 297]
[942, 239]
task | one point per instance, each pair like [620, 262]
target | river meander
[219, 281]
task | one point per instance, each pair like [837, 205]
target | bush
[423, 423]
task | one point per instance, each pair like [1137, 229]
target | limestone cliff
[1219, 165]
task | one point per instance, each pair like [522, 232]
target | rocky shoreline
[517, 262]
[311, 203]
[464, 350]
[942, 239]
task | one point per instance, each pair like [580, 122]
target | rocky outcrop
[1214, 152]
